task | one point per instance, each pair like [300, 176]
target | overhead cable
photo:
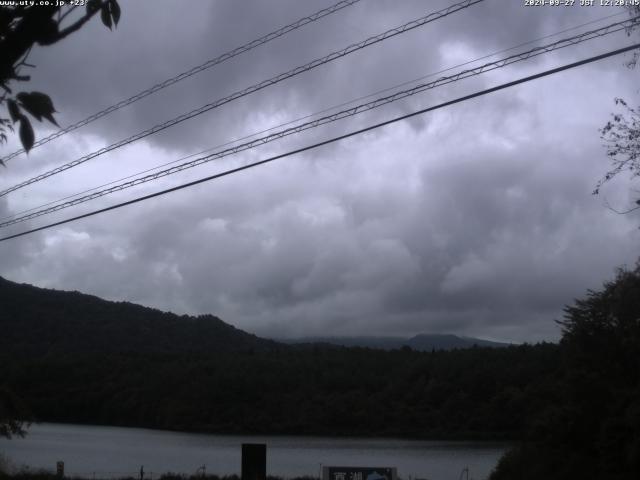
[192, 71]
[254, 88]
[331, 140]
[487, 67]
[311, 115]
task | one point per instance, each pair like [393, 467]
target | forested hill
[76, 358]
[40, 321]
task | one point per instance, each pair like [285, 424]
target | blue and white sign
[358, 473]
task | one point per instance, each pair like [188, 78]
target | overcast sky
[476, 219]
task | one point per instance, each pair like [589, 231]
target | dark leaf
[38, 104]
[26, 133]
[49, 117]
[6, 16]
[105, 16]
[14, 110]
[115, 11]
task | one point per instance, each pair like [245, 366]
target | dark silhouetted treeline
[474, 393]
[588, 427]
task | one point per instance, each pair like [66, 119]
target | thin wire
[193, 71]
[331, 140]
[576, 39]
[254, 88]
[311, 115]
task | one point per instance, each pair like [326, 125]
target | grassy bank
[46, 475]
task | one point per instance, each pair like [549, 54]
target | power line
[254, 88]
[332, 140]
[576, 39]
[193, 71]
[328, 109]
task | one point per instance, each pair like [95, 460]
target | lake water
[107, 452]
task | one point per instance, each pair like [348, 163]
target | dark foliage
[477, 393]
[13, 414]
[621, 134]
[21, 27]
[590, 427]
[76, 358]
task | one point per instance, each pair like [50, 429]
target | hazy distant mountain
[422, 342]
[40, 321]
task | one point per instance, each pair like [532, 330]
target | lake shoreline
[50, 475]
[90, 452]
[488, 437]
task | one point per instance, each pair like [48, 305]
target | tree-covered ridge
[589, 426]
[77, 358]
[36, 321]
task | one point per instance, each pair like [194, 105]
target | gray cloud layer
[476, 219]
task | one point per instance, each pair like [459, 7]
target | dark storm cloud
[121, 65]
[475, 219]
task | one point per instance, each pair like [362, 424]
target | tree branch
[78, 24]
[64, 15]
[620, 212]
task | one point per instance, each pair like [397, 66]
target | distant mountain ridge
[422, 342]
[41, 321]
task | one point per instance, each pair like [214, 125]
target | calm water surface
[110, 451]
